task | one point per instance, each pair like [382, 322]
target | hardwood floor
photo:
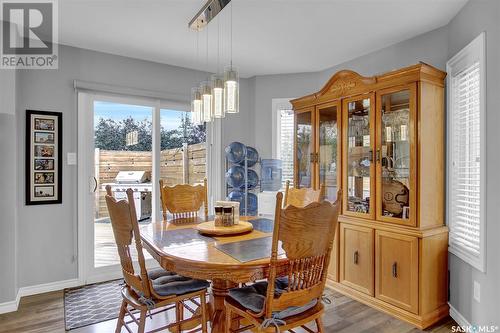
[45, 314]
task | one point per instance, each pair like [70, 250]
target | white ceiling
[270, 36]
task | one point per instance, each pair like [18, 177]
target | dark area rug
[92, 304]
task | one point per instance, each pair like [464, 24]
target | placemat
[263, 224]
[178, 237]
[249, 250]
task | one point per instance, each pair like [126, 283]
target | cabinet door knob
[356, 257]
[395, 270]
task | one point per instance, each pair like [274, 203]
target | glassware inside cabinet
[395, 154]
[359, 156]
[304, 149]
[328, 141]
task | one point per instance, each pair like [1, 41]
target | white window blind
[465, 154]
[286, 123]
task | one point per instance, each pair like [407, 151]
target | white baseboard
[10, 306]
[457, 316]
[38, 289]
[47, 287]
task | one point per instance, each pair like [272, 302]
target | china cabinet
[381, 140]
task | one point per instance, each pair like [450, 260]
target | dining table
[225, 261]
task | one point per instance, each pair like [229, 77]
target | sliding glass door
[129, 143]
[183, 149]
[122, 160]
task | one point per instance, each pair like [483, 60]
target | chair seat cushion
[254, 297]
[166, 283]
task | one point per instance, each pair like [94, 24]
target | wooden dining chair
[294, 298]
[158, 289]
[184, 201]
[301, 197]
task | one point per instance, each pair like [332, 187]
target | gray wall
[430, 47]
[49, 233]
[475, 17]
[268, 87]
[8, 184]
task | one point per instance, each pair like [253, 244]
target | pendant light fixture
[206, 93]
[196, 105]
[231, 80]
[206, 98]
[196, 101]
[231, 90]
[218, 83]
[219, 94]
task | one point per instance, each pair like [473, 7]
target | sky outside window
[171, 119]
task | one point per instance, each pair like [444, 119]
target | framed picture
[43, 157]
[44, 191]
[44, 137]
[44, 178]
[44, 150]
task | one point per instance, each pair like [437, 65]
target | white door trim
[84, 107]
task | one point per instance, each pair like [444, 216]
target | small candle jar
[219, 218]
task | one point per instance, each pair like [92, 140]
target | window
[466, 153]
[283, 143]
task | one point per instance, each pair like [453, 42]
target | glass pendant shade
[231, 90]
[206, 95]
[196, 106]
[217, 96]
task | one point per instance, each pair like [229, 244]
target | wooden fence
[177, 166]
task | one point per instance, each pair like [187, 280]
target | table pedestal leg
[220, 289]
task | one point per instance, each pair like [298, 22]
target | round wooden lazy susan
[209, 228]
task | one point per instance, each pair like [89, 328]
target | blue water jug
[236, 152]
[271, 174]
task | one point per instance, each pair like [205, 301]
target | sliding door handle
[356, 257]
[95, 185]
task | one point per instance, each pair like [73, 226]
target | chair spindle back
[301, 197]
[306, 235]
[125, 227]
[184, 201]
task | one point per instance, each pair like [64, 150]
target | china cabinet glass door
[328, 148]
[304, 152]
[359, 169]
[396, 151]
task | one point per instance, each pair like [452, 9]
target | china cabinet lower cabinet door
[356, 258]
[396, 272]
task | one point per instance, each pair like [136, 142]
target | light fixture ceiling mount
[207, 13]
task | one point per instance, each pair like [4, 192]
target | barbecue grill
[140, 183]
